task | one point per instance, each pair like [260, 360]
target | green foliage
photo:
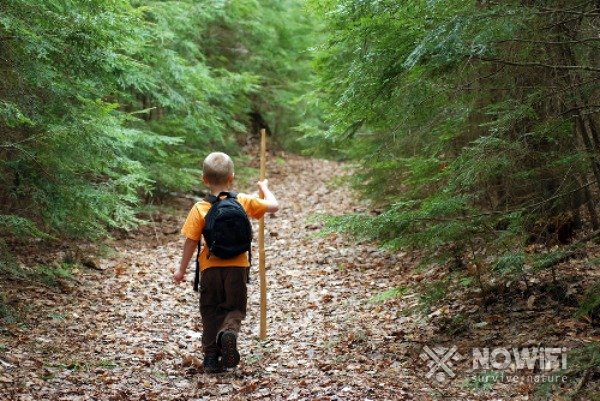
[8, 264]
[396, 292]
[460, 117]
[106, 363]
[19, 227]
[56, 316]
[510, 263]
[66, 164]
[545, 260]
[7, 314]
[581, 362]
[50, 275]
[590, 304]
[584, 358]
[106, 251]
[105, 103]
[268, 40]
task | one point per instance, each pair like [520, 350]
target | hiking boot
[212, 364]
[229, 353]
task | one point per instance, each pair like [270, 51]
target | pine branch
[539, 65]
[550, 42]
[502, 212]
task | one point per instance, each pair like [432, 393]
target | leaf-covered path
[128, 333]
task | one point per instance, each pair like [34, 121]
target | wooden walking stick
[261, 242]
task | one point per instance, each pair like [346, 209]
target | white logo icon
[440, 361]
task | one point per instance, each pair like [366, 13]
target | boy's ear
[204, 180]
[231, 178]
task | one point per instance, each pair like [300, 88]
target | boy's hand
[263, 185]
[267, 195]
[178, 276]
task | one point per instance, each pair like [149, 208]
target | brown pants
[223, 298]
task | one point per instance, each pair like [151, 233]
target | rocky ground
[122, 330]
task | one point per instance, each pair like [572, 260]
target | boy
[223, 281]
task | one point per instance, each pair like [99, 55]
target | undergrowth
[590, 304]
[583, 376]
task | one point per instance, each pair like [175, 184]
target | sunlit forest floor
[119, 329]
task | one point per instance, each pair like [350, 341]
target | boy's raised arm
[271, 200]
[189, 247]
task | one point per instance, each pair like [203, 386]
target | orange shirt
[194, 224]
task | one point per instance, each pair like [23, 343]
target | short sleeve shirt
[194, 225]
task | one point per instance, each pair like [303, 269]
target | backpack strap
[212, 199]
[197, 273]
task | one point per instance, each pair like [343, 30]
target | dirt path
[128, 333]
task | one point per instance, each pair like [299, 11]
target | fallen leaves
[191, 361]
[120, 269]
[128, 333]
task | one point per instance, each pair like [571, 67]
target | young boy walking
[223, 294]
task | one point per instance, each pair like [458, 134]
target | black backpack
[227, 229]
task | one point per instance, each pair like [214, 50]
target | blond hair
[217, 168]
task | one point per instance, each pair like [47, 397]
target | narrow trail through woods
[129, 333]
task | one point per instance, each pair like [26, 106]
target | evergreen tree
[474, 124]
[105, 102]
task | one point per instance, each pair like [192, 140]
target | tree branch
[548, 42]
[589, 107]
[539, 65]
[500, 212]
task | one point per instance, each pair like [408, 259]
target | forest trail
[129, 333]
